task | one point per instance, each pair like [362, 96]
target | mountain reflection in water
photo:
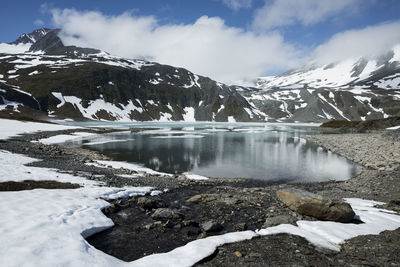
[266, 153]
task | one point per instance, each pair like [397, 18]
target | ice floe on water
[178, 136]
[93, 143]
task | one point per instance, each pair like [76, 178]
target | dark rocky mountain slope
[85, 83]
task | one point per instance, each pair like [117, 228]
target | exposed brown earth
[30, 185]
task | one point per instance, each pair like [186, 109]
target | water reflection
[268, 153]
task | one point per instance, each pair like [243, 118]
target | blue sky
[299, 27]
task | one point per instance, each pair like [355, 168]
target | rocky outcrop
[314, 205]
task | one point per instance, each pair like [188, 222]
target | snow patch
[125, 165]
[11, 128]
[189, 114]
[62, 138]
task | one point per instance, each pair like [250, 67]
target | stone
[238, 254]
[307, 203]
[166, 214]
[195, 199]
[148, 203]
[279, 219]
[169, 224]
[191, 230]
[240, 227]
[211, 226]
[190, 223]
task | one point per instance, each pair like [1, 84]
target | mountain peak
[52, 44]
[30, 38]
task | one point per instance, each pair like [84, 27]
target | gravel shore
[236, 204]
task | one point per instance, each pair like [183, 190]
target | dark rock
[190, 223]
[240, 227]
[314, 205]
[191, 230]
[169, 224]
[393, 205]
[166, 214]
[211, 226]
[279, 219]
[152, 225]
[148, 203]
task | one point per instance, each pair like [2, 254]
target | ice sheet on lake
[93, 143]
[178, 136]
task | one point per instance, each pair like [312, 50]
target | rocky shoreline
[192, 209]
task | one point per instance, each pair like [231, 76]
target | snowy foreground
[48, 227]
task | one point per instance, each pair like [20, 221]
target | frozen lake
[272, 152]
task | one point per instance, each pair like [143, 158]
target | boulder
[279, 219]
[314, 205]
[211, 226]
[148, 203]
[166, 214]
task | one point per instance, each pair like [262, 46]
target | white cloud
[287, 12]
[207, 47]
[237, 4]
[367, 42]
[38, 22]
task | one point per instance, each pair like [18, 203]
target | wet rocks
[166, 214]
[211, 226]
[279, 219]
[240, 227]
[226, 199]
[314, 205]
[149, 203]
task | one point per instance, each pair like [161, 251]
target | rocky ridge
[55, 80]
[88, 84]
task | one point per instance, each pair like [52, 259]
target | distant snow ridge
[380, 72]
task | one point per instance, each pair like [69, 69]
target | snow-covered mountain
[47, 78]
[85, 83]
[32, 37]
[381, 72]
[353, 89]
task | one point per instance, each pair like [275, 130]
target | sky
[227, 40]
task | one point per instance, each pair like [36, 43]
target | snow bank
[192, 176]
[393, 128]
[125, 165]
[47, 227]
[61, 138]
[11, 128]
[193, 251]
[331, 234]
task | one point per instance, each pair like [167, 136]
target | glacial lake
[271, 152]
